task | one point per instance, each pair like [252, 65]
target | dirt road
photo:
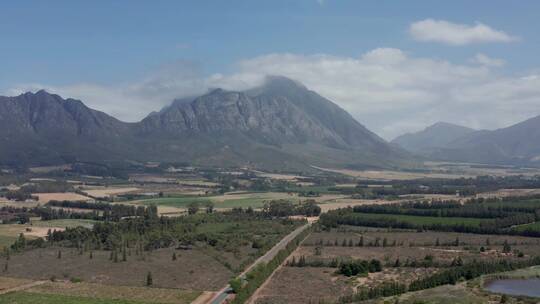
[222, 295]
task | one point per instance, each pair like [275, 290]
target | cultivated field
[420, 254]
[104, 192]
[67, 196]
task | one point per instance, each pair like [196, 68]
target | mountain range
[279, 125]
[436, 136]
[518, 144]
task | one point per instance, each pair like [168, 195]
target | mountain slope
[280, 116]
[43, 127]
[436, 136]
[280, 125]
[517, 144]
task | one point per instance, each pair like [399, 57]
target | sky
[396, 66]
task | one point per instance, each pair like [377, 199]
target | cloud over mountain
[388, 89]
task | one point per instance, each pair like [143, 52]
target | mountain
[45, 128]
[518, 144]
[436, 136]
[280, 125]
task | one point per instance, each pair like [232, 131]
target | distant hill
[517, 144]
[436, 136]
[280, 125]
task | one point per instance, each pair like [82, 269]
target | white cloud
[456, 34]
[386, 89]
[483, 59]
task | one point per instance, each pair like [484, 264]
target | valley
[204, 227]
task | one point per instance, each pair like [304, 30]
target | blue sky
[85, 48]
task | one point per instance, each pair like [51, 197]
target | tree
[209, 207]
[506, 247]
[149, 280]
[236, 284]
[193, 208]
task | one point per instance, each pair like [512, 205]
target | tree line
[451, 275]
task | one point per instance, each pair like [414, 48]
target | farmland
[419, 244]
[195, 231]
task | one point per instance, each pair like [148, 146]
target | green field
[6, 241]
[180, 201]
[526, 204]
[425, 220]
[253, 200]
[64, 223]
[317, 189]
[527, 227]
[37, 298]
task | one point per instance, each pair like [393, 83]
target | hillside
[436, 136]
[280, 125]
[516, 144]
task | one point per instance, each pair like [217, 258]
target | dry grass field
[103, 192]
[67, 196]
[193, 269]
[303, 285]
[392, 175]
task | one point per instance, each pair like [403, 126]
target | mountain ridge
[280, 124]
[437, 135]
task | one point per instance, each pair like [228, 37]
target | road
[222, 295]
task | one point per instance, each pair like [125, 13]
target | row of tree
[497, 226]
[449, 276]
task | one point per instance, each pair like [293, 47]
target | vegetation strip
[256, 277]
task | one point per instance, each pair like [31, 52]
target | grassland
[527, 227]
[531, 272]
[448, 294]
[36, 298]
[101, 291]
[192, 270]
[65, 223]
